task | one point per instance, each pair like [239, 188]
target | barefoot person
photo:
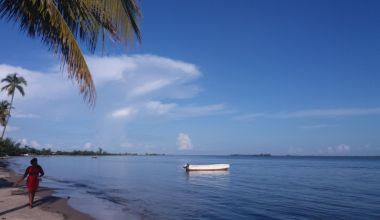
[33, 172]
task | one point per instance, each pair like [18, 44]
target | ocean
[157, 187]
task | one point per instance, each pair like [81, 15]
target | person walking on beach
[33, 172]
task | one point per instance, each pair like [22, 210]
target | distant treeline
[12, 148]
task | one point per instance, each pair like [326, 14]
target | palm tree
[4, 112]
[60, 23]
[14, 83]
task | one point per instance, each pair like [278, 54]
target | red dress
[33, 174]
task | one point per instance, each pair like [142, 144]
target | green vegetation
[4, 112]
[12, 148]
[60, 24]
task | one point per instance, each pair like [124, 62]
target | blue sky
[212, 77]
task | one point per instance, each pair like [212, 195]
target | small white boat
[208, 167]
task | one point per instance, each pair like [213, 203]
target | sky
[213, 77]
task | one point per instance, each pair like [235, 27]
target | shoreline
[13, 201]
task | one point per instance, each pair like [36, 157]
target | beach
[14, 201]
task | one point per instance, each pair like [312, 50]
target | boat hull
[209, 167]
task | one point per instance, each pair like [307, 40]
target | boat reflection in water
[208, 173]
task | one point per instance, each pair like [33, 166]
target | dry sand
[14, 202]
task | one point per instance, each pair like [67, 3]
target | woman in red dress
[33, 172]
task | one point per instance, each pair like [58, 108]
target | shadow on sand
[45, 200]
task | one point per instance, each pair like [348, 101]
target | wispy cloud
[184, 142]
[41, 85]
[167, 110]
[159, 108]
[32, 143]
[87, 145]
[146, 75]
[341, 149]
[126, 112]
[193, 111]
[128, 88]
[316, 126]
[150, 87]
[24, 115]
[130, 76]
[338, 112]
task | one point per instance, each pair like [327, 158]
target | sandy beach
[13, 201]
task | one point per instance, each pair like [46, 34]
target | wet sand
[14, 201]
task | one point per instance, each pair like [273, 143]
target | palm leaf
[60, 22]
[21, 80]
[123, 14]
[86, 20]
[42, 18]
[20, 89]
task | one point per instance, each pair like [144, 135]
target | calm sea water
[157, 187]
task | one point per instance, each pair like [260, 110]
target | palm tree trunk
[8, 116]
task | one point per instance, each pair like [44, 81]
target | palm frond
[43, 19]
[60, 22]
[21, 80]
[85, 20]
[124, 15]
[20, 89]
[5, 87]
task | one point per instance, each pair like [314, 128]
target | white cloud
[143, 75]
[33, 143]
[105, 69]
[41, 86]
[87, 145]
[339, 150]
[167, 110]
[126, 112]
[150, 87]
[24, 115]
[343, 148]
[23, 142]
[338, 112]
[159, 108]
[193, 111]
[184, 142]
[174, 110]
[128, 76]
[128, 87]
[329, 112]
